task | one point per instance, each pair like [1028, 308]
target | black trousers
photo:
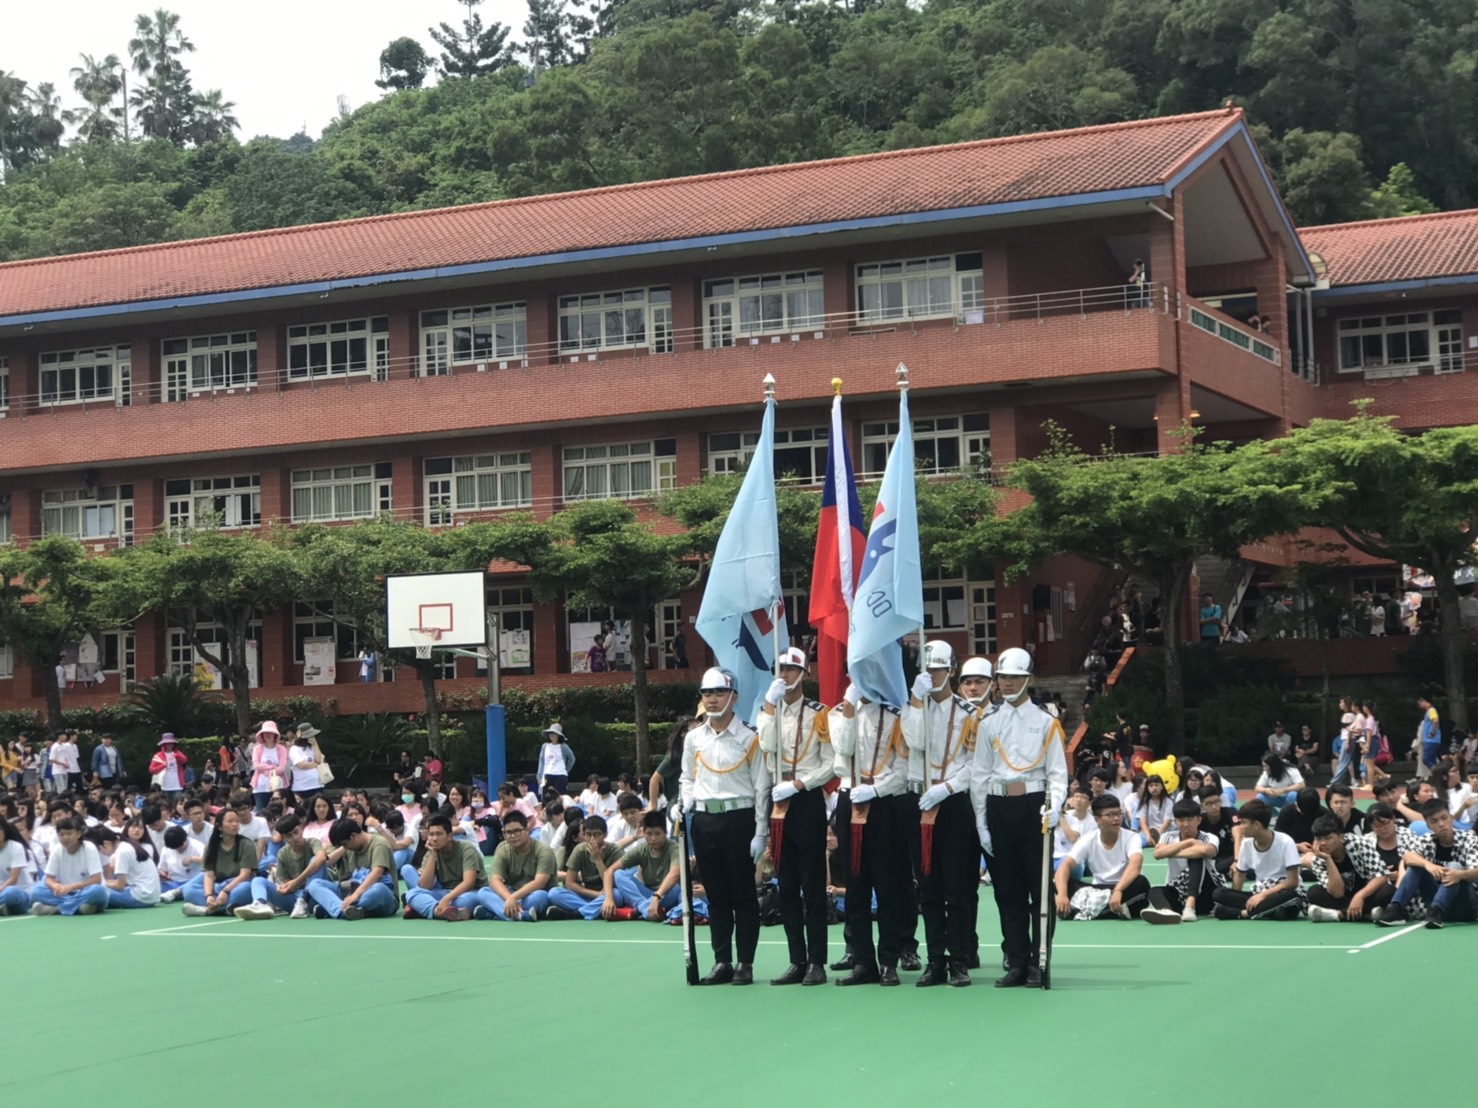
[908, 877]
[949, 894]
[721, 843]
[886, 869]
[803, 878]
[1319, 895]
[1015, 826]
[1135, 897]
[1198, 876]
[1231, 898]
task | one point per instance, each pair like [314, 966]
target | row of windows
[1404, 340]
[496, 481]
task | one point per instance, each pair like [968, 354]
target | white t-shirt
[1106, 864]
[1458, 799]
[1177, 866]
[1082, 825]
[43, 842]
[68, 752]
[141, 879]
[68, 869]
[12, 857]
[256, 829]
[1293, 778]
[1271, 864]
[304, 778]
[552, 760]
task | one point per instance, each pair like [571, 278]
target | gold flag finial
[836, 385]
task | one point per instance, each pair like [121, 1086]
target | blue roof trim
[1415, 284]
[1145, 192]
[1240, 130]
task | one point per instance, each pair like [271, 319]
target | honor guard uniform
[872, 755]
[1018, 779]
[796, 744]
[940, 729]
[726, 787]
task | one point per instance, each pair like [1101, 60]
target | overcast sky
[283, 62]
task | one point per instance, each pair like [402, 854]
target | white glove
[777, 690]
[933, 796]
[1054, 817]
[756, 848]
[985, 843]
[783, 791]
[852, 696]
[923, 686]
[861, 794]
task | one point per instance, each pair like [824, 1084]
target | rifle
[1045, 908]
[685, 882]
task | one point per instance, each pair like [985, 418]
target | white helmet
[976, 667]
[938, 654]
[716, 679]
[1014, 662]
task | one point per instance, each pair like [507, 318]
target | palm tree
[98, 83]
[46, 111]
[155, 50]
[212, 117]
[13, 109]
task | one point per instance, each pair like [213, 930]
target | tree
[98, 83]
[49, 596]
[211, 118]
[1153, 516]
[597, 554]
[1321, 176]
[403, 64]
[31, 126]
[208, 577]
[165, 102]
[1397, 195]
[1425, 518]
[472, 51]
[110, 216]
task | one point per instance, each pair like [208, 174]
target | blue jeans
[1430, 753]
[535, 901]
[193, 892]
[574, 902]
[424, 901]
[633, 892]
[93, 894]
[1455, 902]
[1277, 803]
[403, 857]
[378, 900]
[122, 898]
[16, 901]
[266, 892]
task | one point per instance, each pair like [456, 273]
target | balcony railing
[705, 337]
[1251, 341]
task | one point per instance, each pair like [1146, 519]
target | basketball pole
[497, 743]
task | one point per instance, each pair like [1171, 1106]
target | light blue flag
[889, 601]
[742, 599]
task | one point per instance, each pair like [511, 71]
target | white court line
[185, 927]
[1182, 946]
[1392, 935]
[8, 919]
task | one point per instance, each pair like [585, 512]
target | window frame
[374, 331]
[376, 478]
[966, 288]
[788, 441]
[444, 479]
[197, 353]
[117, 360]
[1441, 328]
[437, 340]
[121, 501]
[182, 509]
[972, 442]
[593, 312]
[661, 454]
[724, 300]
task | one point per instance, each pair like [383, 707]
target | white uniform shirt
[1106, 863]
[1272, 864]
[1018, 744]
[68, 869]
[13, 857]
[796, 744]
[1177, 865]
[951, 742]
[864, 749]
[726, 765]
[141, 879]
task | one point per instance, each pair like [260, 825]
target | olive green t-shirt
[653, 867]
[377, 853]
[461, 858]
[517, 870]
[668, 769]
[291, 865]
[581, 864]
[231, 862]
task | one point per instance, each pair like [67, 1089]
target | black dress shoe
[845, 962]
[860, 975]
[957, 975]
[743, 974]
[933, 975]
[1033, 977]
[1015, 978]
[793, 975]
[910, 962]
[721, 974]
[815, 975]
[888, 975]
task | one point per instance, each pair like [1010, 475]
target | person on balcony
[1137, 295]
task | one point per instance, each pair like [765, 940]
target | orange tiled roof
[1415, 248]
[940, 178]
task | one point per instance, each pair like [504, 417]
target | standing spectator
[67, 741]
[269, 763]
[1375, 750]
[1343, 754]
[556, 759]
[369, 665]
[1137, 294]
[595, 656]
[305, 758]
[167, 768]
[107, 763]
[1211, 616]
[73, 883]
[1428, 744]
[678, 646]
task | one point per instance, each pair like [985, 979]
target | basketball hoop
[425, 639]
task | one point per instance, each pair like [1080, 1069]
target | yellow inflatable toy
[1164, 769]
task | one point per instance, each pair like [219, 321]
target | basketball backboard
[453, 603]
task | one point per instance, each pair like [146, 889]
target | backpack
[1383, 752]
[769, 903]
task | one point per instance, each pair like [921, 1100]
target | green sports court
[138, 1005]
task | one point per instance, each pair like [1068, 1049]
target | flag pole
[926, 829]
[777, 825]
